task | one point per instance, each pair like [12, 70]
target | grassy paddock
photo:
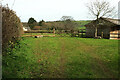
[62, 57]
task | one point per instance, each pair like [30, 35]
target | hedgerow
[11, 27]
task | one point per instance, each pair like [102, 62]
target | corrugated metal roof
[115, 21]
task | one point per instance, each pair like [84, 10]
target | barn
[106, 28]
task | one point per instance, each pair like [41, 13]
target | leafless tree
[101, 9]
[64, 18]
[68, 23]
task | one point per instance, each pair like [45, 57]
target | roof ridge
[109, 18]
[115, 21]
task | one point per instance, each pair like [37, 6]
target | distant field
[81, 24]
[62, 57]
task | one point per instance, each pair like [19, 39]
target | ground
[62, 57]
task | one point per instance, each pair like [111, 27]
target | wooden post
[78, 33]
[82, 32]
[54, 30]
[102, 35]
[96, 31]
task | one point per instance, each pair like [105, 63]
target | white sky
[52, 10]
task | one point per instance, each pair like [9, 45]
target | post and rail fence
[75, 33]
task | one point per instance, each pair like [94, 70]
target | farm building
[106, 28]
[26, 28]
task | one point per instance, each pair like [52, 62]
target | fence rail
[75, 33]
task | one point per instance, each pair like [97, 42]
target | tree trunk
[102, 35]
[96, 30]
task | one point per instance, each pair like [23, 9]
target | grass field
[81, 24]
[62, 57]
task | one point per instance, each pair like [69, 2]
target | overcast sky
[52, 10]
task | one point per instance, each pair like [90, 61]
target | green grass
[80, 24]
[79, 28]
[58, 57]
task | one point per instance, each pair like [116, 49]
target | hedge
[11, 27]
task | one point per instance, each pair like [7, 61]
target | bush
[11, 27]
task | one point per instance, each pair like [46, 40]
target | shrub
[11, 27]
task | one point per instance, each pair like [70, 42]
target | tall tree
[32, 22]
[41, 22]
[100, 9]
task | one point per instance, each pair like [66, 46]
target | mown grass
[62, 57]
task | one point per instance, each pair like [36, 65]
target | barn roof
[115, 21]
[110, 20]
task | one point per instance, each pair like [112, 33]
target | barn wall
[106, 32]
[100, 32]
[90, 32]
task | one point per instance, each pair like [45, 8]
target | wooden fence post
[82, 32]
[54, 30]
[102, 35]
[78, 33]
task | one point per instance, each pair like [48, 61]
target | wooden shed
[106, 28]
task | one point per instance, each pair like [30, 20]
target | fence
[39, 31]
[79, 33]
[74, 33]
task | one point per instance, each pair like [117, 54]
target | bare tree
[64, 18]
[68, 23]
[100, 9]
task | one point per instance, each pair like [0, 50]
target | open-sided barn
[106, 28]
